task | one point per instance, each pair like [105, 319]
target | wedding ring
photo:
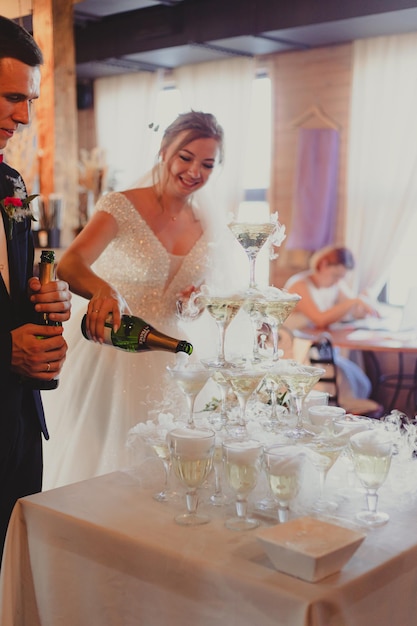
[96, 311]
[48, 367]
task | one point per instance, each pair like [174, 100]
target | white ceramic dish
[309, 548]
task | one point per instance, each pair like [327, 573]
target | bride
[142, 250]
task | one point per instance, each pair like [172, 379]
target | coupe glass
[222, 309]
[283, 466]
[217, 375]
[242, 462]
[275, 309]
[192, 453]
[252, 238]
[300, 379]
[274, 383]
[323, 453]
[159, 444]
[253, 306]
[371, 452]
[190, 380]
[243, 381]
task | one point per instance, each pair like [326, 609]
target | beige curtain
[124, 108]
[223, 88]
[382, 160]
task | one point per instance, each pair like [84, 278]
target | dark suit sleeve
[5, 352]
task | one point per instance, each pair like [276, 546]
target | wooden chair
[321, 353]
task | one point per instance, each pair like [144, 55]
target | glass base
[266, 504]
[218, 499]
[299, 433]
[372, 519]
[165, 496]
[192, 519]
[218, 363]
[241, 523]
[324, 506]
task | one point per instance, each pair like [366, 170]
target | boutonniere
[17, 210]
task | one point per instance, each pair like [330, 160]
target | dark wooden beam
[199, 21]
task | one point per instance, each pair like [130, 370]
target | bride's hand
[107, 301]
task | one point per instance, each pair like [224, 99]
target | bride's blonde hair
[194, 125]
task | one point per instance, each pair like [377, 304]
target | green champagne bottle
[46, 275]
[136, 335]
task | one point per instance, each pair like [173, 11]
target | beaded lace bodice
[137, 264]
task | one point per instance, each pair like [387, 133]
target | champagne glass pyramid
[191, 380]
[300, 380]
[252, 238]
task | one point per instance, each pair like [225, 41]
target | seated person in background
[326, 299]
[325, 296]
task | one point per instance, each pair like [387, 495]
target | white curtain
[223, 88]
[382, 161]
[124, 108]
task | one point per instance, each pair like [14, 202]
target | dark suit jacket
[20, 405]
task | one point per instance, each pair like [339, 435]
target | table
[104, 552]
[382, 350]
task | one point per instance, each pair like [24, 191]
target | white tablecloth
[104, 552]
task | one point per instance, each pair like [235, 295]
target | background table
[104, 552]
[388, 358]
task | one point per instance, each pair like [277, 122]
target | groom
[22, 354]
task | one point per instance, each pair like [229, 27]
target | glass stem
[299, 410]
[252, 267]
[223, 412]
[274, 331]
[273, 396]
[242, 405]
[217, 480]
[241, 507]
[255, 351]
[222, 331]
[190, 401]
[191, 499]
[372, 500]
[283, 512]
[322, 479]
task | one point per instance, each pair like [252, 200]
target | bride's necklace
[172, 218]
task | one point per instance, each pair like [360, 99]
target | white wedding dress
[104, 392]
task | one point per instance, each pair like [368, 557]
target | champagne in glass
[243, 381]
[300, 379]
[283, 466]
[252, 238]
[159, 445]
[371, 452]
[276, 307]
[222, 309]
[192, 453]
[242, 461]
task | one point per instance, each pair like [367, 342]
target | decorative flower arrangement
[277, 236]
[17, 210]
